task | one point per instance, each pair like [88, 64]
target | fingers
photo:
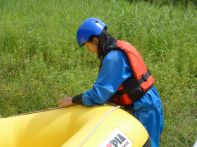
[61, 103]
[65, 102]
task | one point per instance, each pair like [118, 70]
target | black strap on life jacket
[144, 77]
[132, 88]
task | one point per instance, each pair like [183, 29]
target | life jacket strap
[144, 77]
[131, 87]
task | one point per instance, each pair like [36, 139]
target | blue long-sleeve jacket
[114, 71]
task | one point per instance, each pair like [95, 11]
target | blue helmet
[90, 27]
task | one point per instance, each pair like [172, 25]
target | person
[122, 79]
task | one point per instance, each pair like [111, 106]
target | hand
[65, 102]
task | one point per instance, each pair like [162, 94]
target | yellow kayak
[77, 126]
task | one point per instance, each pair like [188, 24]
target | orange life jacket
[141, 81]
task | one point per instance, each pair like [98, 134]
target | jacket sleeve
[114, 71]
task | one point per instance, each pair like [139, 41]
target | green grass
[41, 62]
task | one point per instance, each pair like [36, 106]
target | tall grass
[40, 60]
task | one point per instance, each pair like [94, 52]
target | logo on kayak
[117, 139]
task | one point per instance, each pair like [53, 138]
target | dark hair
[105, 45]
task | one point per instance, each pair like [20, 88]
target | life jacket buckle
[144, 77]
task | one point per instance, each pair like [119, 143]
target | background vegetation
[41, 62]
[183, 3]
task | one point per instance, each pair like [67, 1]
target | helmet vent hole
[96, 21]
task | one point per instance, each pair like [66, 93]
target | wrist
[77, 99]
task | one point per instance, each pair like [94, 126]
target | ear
[95, 41]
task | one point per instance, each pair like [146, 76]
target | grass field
[41, 62]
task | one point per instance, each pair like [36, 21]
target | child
[123, 78]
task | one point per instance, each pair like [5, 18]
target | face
[92, 46]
